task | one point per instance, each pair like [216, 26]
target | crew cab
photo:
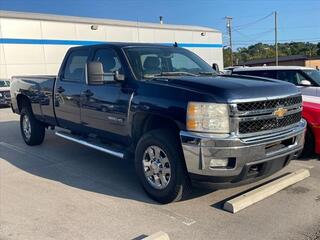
[305, 78]
[5, 98]
[167, 109]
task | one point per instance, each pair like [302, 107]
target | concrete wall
[38, 53]
[313, 63]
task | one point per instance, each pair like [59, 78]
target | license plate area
[279, 145]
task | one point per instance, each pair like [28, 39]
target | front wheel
[160, 166]
[32, 130]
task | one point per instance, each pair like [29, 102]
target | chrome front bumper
[250, 157]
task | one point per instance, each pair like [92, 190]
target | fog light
[216, 163]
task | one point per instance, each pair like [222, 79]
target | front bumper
[249, 158]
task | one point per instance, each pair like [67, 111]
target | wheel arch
[23, 101]
[145, 122]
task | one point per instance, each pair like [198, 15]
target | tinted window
[4, 83]
[290, 76]
[261, 73]
[148, 62]
[75, 66]
[181, 63]
[109, 60]
[314, 75]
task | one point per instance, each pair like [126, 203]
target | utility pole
[229, 20]
[276, 37]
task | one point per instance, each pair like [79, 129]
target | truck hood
[233, 88]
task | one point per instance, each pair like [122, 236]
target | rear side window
[290, 76]
[264, 73]
[75, 66]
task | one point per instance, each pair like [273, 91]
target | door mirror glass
[215, 67]
[305, 83]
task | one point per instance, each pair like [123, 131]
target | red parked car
[311, 112]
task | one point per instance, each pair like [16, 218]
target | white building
[32, 43]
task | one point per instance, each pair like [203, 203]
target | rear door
[68, 88]
[104, 107]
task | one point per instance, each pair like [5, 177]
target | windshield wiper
[208, 73]
[170, 74]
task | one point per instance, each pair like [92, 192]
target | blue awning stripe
[84, 42]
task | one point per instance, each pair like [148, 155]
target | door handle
[88, 93]
[60, 89]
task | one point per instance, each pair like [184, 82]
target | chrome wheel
[26, 126]
[156, 167]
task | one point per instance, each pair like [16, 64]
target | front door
[68, 89]
[104, 107]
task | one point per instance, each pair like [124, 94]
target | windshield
[150, 62]
[4, 83]
[314, 75]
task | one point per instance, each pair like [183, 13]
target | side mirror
[305, 83]
[96, 75]
[215, 67]
[118, 76]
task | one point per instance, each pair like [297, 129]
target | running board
[97, 146]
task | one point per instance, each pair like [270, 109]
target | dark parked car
[167, 109]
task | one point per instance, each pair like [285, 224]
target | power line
[253, 22]
[284, 40]
[250, 36]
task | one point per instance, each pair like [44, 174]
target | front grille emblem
[280, 112]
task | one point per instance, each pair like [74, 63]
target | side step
[98, 146]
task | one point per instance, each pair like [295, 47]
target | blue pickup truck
[167, 109]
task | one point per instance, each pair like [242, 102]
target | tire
[309, 145]
[178, 183]
[34, 133]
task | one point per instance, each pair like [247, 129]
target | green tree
[262, 50]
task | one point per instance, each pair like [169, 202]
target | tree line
[262, 50]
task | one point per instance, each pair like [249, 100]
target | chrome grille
[268, 124]
[256, 117]
[267, 104]
[6, 94]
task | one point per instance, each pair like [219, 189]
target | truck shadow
[75, 165]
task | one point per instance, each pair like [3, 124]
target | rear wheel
[160, 166]
[32, 130]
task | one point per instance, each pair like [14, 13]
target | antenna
[161, 19]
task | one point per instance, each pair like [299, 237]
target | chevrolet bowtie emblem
[280, 112]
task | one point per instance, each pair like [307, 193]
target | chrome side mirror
[305, 83]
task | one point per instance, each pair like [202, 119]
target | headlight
[1, 95]
[208, 117]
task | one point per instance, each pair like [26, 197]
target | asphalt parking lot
[61, 190]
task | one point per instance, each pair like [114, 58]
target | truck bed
[39, 89]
